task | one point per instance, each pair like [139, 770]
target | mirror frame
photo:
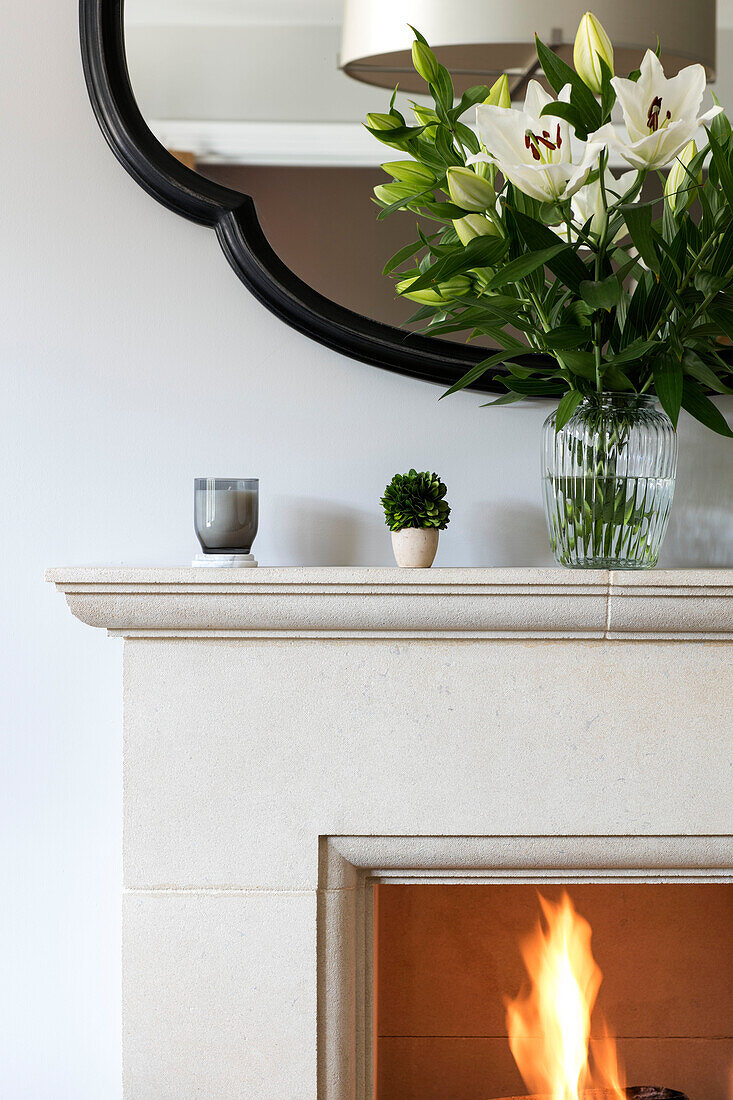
[234, 217]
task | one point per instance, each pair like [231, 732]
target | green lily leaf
[478, 371]
[601, 295]
[722, 166]
[723, 318]
[469, 99]
[668, 385]
[698, 369]
[402, 256]
[443, 92]
[709, 284]
[638, 218]
[616, 381]
[568, 404]
[566, 264]
[558, 75]
[581, 362]
[506, 399]
[399, 135]
[569, 113]
[565, 336]
[518, 269]
[480, 252]
[723, 260]
[702, 408]
[632, 353]
[444, 211]
[539, 387]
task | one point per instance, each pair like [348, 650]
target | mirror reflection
[251, 94]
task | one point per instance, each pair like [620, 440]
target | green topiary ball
[415, 500]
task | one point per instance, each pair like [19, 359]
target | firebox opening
[448, 959]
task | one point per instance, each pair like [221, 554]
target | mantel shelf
[452, 603]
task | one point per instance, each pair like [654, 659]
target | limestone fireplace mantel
[392, 603]
[292, 736]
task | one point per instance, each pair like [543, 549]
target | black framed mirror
[236, 218]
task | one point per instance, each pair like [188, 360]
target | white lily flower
[587, 204]
[533, 153]
[661, 115]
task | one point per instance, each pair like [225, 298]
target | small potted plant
[415, 510]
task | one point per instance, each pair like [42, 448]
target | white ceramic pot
[415, 547]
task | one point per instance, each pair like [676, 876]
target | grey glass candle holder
[226, 513]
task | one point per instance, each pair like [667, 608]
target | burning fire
[549, 1023]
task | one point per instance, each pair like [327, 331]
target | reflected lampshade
[479, 39]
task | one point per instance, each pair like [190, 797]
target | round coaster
[224, 561]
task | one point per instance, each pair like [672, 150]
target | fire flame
[549, 1024]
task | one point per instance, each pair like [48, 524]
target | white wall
[235, 73]
[133, 360]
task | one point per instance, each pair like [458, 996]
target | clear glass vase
[608, 482]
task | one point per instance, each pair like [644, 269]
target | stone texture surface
[344, 602]
[238, 755]
[566, 858]
[339, 602]
[693, 604]
[219, 996]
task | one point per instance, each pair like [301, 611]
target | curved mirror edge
[234, 217]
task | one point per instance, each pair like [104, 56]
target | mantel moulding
[350, 602]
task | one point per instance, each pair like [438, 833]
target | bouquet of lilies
[526, 236]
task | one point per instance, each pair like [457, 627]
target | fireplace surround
[294, 736]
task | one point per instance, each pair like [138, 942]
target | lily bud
[410, 171]
[590, 42]
[481, 277]
[393, 192]
[451, 288]
[424, 115]
[679, 190]
[499, 93]
[383, 122]
[425, 61]
[474, 225]
[469, 191]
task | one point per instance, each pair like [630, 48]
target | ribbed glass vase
[608, 482]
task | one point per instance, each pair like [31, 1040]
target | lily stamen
[533, 141]
[652, 120]
[530, 142]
